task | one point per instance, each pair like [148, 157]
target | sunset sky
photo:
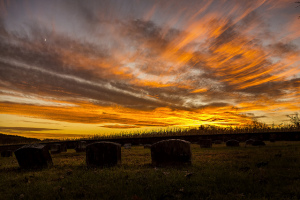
[70, 68]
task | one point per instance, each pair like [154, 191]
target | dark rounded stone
[273, 137]
[127, 146]
[232, 143]
[55, 148]
[80, 146]
[272, 140]
[6, 153]
[249, 142]
[258, 143]
[218, 142]
[102, 154]
[33, 156]
[171, 152]
[205, 143]
[63, 147]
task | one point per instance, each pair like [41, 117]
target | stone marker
[102, 154]
[81, 146]
[33, 156]
[205, 143]
[272, 140]
[147, 146]
[63, 147]
[6, 153]
[127, 146]
[171, 152]
[249, 142]
[217, 142]
[55, 148]
[232, 143]
[258, 143]
[273, 137]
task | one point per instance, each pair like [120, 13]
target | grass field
[270, 172]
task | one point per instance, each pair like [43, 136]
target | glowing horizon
[76, 68]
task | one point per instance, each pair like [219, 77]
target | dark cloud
[34, 81]
[43, 70]
[273, 90]
[120, 126]
[281, 49]
[39, 122]
[4, 128]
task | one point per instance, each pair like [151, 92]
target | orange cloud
[164, 64]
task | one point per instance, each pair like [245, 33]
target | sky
[70, 68]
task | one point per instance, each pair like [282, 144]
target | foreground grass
[270, 172]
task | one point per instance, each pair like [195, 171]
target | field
[270, 172]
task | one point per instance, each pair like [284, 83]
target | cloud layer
[145, 64]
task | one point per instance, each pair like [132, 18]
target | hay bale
[102, 154]
[33, 156]
[205, 143]
[55, 149]
[63, 147]
[6, 153]
[273, 137]
[80, 146]
[249, 142]
[171, 152]
[232, 143]
[127, 146]
[258, 143]
[217, 141]
[272, 140]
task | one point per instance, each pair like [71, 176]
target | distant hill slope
[14, 139]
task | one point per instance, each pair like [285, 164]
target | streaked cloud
[4, 128]
[149, 64]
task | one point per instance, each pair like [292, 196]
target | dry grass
[270, 172]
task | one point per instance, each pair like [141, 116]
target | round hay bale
[205, 143]
[273, 137]
[249, 142]
[232, 143]
[81, 146]
[102, 154]
[218, 142]
[272, 140]
[55, 149]
[64, 147]
[171, 152]
[6, 153]
[258, 143]
[127, 146]
[33, 156]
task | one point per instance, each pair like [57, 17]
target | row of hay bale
[207, 143]
[101, 154]
[58, 148]
[62, 147]
[54, 148]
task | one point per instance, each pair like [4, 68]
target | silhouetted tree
[295, 119]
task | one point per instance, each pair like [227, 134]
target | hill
[14, 139]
